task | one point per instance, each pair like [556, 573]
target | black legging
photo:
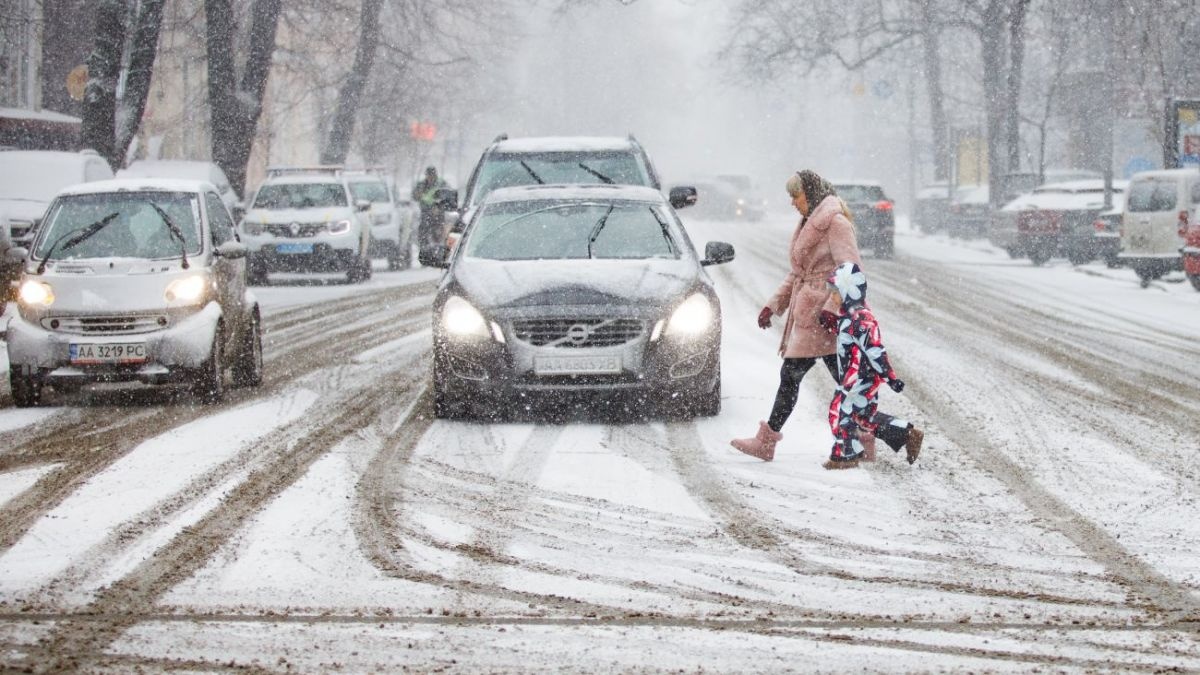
[790, 375]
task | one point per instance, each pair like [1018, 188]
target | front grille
[577, 333]
[303, 229]
[106, 325]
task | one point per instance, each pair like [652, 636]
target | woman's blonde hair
[815, 189]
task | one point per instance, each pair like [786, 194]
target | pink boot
[762, 445]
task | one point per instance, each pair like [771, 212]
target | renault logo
[294, 228]
[578, 334]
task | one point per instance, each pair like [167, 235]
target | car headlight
[460, 319]
[253, 229]
[187, 290]
[34, 293]
[691, 318]
[339, 227]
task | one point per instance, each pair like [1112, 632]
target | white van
[1150, 240]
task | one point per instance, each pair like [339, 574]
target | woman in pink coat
[823, 240]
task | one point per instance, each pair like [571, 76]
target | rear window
[1152, 194]
[860, 193]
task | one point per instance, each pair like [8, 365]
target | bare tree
[337, 144]
[236, 104]
[119, 68]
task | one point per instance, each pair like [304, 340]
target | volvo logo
[294, 228]
[578, 334]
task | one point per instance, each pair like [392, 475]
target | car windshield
[1151, 195]
[560, 230]
[508, 170]
[371, 190]
[300, 196]
[860, 193]
[136, 231]
[34, 178]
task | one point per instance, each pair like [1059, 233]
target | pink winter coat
[819, 244]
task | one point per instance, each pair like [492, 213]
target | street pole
[1108, 109]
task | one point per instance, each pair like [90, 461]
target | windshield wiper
[599, 226]
[666, 233]
[603, 179]
[175, 231]
[531, 172]
[75, 238]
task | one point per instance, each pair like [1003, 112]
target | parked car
[933, 207]
[970, 211]
[1015, 184]
[1150, 226]
[392, 218]
[873, 215]
[509, 162]
[29, 179]
[580, 288]
[1053, 220]
[749, 202]
[304, 219]
[188, 170]
[136, 280]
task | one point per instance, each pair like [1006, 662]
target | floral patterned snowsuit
[863, 365]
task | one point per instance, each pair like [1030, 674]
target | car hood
[298, 215]
[22, 209]
[528, 283]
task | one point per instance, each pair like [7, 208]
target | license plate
[294, 248]
[577, 365]
[128, 352]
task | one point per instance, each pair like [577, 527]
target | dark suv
[557, 160]
[873, 216]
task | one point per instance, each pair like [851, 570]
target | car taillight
[883, 205]
[1099, 225]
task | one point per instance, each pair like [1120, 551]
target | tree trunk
[931, 39]
[235, 108]
[104, 68]
[143, 50]
[1012, 121]
[991, 43]
[337, 145]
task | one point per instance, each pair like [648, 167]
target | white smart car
[135, 280]
[305, 219]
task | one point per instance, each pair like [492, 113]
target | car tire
[446, 404]
[359, 270]
[1038, 257]
[26, 389]
[1112, 261]
[209, 385]
[708, 404]
[1079, 258]
[256, 273]
[1195, 279]
[1013, 252]
[248, 370]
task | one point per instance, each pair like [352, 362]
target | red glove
[764, 317]
[828, 320]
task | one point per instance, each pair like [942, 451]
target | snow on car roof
[139, 185]
[1088, 185]
[1065, 200]
[304, 178]
[1163, 173]
[855, 181]
[599, 191]
[39, 115]
[46, 158]
[563, 144]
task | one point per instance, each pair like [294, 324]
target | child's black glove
[828, 320]
[897, 385]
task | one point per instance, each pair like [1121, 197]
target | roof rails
[331, 169]
[501, 137]
[360, 170]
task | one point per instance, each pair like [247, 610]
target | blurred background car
[932, 207]
[873, 212]
[749, 202]
[392, 219]
[1158, 203]
[969, 212]
[1054, 220]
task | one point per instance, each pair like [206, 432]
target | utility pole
[1108, 109]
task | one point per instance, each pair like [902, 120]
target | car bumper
[170, 352]
[323, 258]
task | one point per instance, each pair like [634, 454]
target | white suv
[391, 217]
[304, 219]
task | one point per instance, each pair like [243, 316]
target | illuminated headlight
[35, 293]
[339, 227]
[460, 319]
[741, 202]
[252, 229]
[187, 290]
[692, 318]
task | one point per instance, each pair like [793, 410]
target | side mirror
[362, 205]
[16, 255]
[437, 255]
[717, 253]
[683, 196]
[231, 249]
[446, 198]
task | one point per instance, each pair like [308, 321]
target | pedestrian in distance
[430, 229]
[823, 238]
[862, 368]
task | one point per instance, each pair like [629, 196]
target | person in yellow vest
[430, 231]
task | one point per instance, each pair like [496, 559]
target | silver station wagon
[135, 280]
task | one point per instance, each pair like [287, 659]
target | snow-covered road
[327, 522]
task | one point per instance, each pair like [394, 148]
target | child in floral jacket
[863, 366]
